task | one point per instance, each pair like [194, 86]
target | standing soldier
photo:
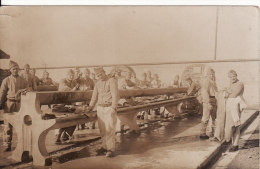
[234, 105]
[29, 78]
[10, 92]
[208, 91]
[105, 95]
[35, 78]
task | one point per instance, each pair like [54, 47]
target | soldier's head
[100, 73]
[45, 74]
[87, 72]
[27, 68]
[212, 74]
[128, 75]
[33, 71]
[14, 68]
[232, 75]
[176, 78]
[77, 73]
[70, 74]
[144, 76]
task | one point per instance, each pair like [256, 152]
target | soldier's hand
[24, 91]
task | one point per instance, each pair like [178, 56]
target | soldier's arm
[114, 92]
[3, 92]
[94, 98]
[205, 93]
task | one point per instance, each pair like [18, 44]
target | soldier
[193, 87]
[234, 105]
[105, 95]
[67, 84]
[29, 78]
[87, 83]
[46, 80]
[208, 91]
[143, 83]
[175, 82]
[35, 78]
[77, 76]
[126, 82]
[149, 76]
[156, 83]
[11, 89]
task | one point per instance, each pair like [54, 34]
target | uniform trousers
[107, 119]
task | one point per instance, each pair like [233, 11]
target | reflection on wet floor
[86, 142]
[158, 134]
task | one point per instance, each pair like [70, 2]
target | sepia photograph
[129, 87]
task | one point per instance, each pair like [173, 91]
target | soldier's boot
[203, 131]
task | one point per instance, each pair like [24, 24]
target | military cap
[99, 70]
[12, 64]
[232, 72]
[27, 66]
[70, 71]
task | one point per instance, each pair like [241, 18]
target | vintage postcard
[127, 87]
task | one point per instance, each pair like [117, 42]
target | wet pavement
[171, 143]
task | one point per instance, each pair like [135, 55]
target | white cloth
[107, 125]
[235, 106]
[221, 115]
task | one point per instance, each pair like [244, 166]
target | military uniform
[31, 84]
[208, 90]
[105, 95]
[156, 83]
[86, 84]
[36, 80]
[47, 81]
[10, 100]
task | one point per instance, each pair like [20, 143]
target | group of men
[233, 103]
[105, 99]
[74, 82]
